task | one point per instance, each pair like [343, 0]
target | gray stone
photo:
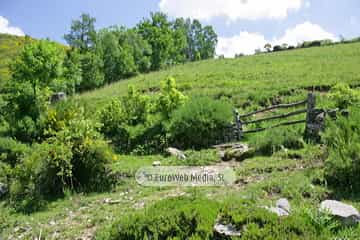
[346, 213]
[278, 211]
[59, 96]
[3, 190]
[226, 230]
[238, 152]
[176, 153]
[284, 204]
[156, 163]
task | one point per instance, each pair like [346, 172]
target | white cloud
[305, 32]
[6, 28]
[231, 9]
[307, 4]
[246, 42]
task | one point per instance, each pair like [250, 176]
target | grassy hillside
[9, 47]
[256, 78]
[293, 172]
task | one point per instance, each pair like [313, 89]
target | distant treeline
[100, 57]
[307, 44]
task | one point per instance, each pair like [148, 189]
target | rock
[284, 204]
[56, 97]
[3, 190]
[176, 153]
[346, 213]
[238, 152]
[278, 211]
[156, 163]
[226, 230]
[282, 207]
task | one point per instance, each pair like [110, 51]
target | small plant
[200, 123]
[275, 139]
[342, 137]
[343, 96]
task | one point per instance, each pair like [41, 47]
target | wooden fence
[240, 119]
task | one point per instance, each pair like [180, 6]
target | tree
[158, 33]
[268, 47]
[82, 34]
[72, 69]
[39, 63]
[209, 41]
[92, 74]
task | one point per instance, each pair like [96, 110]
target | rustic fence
[314, 118]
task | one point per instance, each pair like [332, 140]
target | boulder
[238, 152]
[3, 190]
[176, 153]
[282, 207]
[284, 204]
[346, 213]
[226, 230]
[156, 163]
[59, 96]
[278, 211]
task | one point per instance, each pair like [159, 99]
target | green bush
[342, 137]
[343, 96]
[275, 139]
[176, 218]
[170, 98]
[200, 123]
[259, 223]
[11, 151]
[74, 158]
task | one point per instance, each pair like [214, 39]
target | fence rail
[240, 122]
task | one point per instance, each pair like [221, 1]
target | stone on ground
[176, 153]
[346, 213]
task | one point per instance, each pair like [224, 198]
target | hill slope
[258, 77]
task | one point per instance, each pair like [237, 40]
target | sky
[242, 25]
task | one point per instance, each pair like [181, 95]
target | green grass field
[249, 82]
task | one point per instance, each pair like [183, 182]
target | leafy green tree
[180, 40]
[38, 65]
[92, 74]
[170, 98]
[82, 34]
[157, 31]
[72, 70]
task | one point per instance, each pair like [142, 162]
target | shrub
[344, 96]
[259, 223]
[74, 158]
[200, 123]
[177, 218]
[135, 107]
[342, 137]
[170, 98]
[11, 151]
[275, 139]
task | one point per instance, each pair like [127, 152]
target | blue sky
[242, 25]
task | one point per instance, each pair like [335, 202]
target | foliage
[342, 137]
[275, 139]
[260, 223]
[39, 63]
[178, 218]
[11, 151]
[91, 68]
[199, 123]
[136, 106]
[82, 34]
[72, 70]
[170, 98]
[344, 96]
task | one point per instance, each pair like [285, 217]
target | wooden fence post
[238, 125]
[311, 127]
[311, 101]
